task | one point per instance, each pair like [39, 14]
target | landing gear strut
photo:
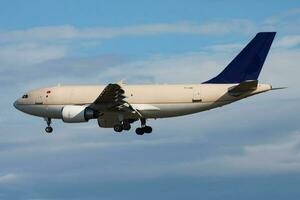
[144, 128]
[48, 129]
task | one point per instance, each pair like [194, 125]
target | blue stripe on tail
[248, 63]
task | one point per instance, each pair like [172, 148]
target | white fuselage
[152, 101]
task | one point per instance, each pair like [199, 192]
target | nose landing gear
[48, 129]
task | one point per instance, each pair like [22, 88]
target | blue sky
[247, 150]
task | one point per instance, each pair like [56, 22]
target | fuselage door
[197, 94]
[39, 100]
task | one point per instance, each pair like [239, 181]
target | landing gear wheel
[147, 129]
[49, 129]
[139, 131]
[126, 126]
[118, 128]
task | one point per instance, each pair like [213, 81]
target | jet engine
[73, 114]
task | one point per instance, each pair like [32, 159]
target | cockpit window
[25, 96]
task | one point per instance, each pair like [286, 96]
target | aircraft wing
[112, 94]
[112, 98]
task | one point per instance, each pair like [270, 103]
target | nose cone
[16, 105]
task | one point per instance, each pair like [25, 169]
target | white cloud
[29, 54]
[181, 68]
[281, 69]
[232, 26]
[67, 32]
[278, 157]
[288, 41]
[39, 33]
[282, 17]
[229, 48]
[41, 44]
[286, 22]
[8, 178]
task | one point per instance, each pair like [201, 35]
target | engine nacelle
[74, 114]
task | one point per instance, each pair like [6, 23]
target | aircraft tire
[147, 129]
[139, 131]
[118, 128]
[49, 129]
[126, 126]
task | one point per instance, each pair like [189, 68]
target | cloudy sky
[246, 150]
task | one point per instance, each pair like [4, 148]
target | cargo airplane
[118, 105]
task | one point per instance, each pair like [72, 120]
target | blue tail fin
[248, 63]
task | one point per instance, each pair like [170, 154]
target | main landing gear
[125, 126]
[48, 129]
[144, 128]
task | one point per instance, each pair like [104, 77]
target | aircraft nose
[16, 105]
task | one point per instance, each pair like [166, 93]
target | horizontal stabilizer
[246, 86]
[278, 88]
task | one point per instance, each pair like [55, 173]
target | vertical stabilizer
[248, 63]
